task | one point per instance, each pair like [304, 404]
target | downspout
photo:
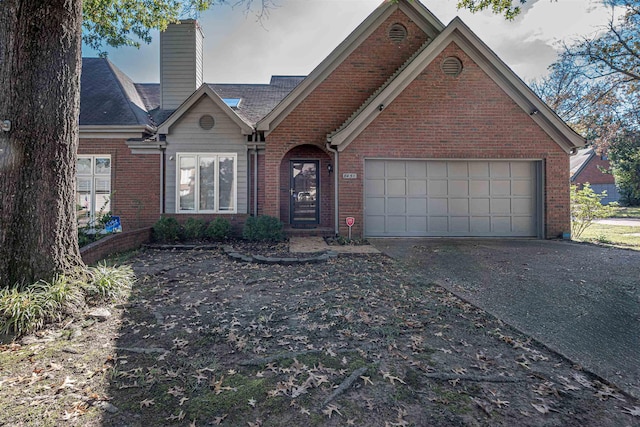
[162, 173]
[336, 170]
[255, 179]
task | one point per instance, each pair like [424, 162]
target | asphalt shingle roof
[108, 96]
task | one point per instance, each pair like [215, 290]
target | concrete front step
[308, 232]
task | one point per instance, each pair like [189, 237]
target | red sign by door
[350, 221]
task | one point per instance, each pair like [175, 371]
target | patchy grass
[626, 212]
[617, 235]
[206, 341]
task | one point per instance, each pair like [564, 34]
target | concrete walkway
[318, 244]
[580, 300]
[629, 222]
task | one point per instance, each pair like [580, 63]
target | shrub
[166, 230]
[108, 283]
[26, 310]
[586, 207]
[219, 229]
[193, 229]
[263, 228]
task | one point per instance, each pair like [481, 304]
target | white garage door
[450, 198]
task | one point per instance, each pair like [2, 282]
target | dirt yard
[357, 341]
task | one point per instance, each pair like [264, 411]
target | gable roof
[412, 8]
[108, 96]
[579, 161]
[205, 90]
[487, 60]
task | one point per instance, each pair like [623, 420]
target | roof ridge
[384, 85]
[117, 74]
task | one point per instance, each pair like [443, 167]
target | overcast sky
[299, 34]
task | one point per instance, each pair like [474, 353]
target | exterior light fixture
[329, 167]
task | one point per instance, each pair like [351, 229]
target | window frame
[93, 175]
[197, 157]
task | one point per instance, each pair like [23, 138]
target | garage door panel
[396, 187]
[375, 224]
[375, 187]
[437, 187]
[500, 170]
[500, 187]
[417, 224]
[480, 225]
[417, 206]
[522, 188]
[459, 206]
[458, 188]
[417, 188]
[438, 225]
[450, 198]
[437, 169]
[479, 206]
[459, 224]
[501, 224]
[374, 168]
[437, 206]
[479, 169]
[479, 187]
[396, 224]
[417, 169]
[500, 206]
[521, 206]
[376, 204]
[521, 170]
[396, 169]
[396, 205]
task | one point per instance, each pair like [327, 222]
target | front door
[304, 192]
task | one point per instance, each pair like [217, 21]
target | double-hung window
[206, 183]
[93, 188]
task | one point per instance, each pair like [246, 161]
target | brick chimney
[180, 62]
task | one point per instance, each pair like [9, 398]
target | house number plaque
[349, 175]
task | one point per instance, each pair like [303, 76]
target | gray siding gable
[186, 136]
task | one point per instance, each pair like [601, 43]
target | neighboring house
[588, 166]
[411, 127]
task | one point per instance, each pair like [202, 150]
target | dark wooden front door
[304, 190]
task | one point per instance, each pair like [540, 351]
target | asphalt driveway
[582, 301]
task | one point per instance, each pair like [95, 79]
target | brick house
[409, 126]
[587, 166]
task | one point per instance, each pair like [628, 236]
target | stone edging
[233, 254]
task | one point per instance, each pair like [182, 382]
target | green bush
[166, 230]
[26, 310]
[586, 207]
[193, 229]
[108, 283]
[263, 228]
[219, 229]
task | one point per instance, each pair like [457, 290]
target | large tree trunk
[40, 95]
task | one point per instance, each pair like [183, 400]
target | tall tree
[595, 84]
[40, 95]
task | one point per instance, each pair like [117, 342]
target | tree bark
[40, 61]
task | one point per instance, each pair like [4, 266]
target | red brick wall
[464, 117]
[336, 98]
[114, 243]
[135, 181]
[592, 174]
